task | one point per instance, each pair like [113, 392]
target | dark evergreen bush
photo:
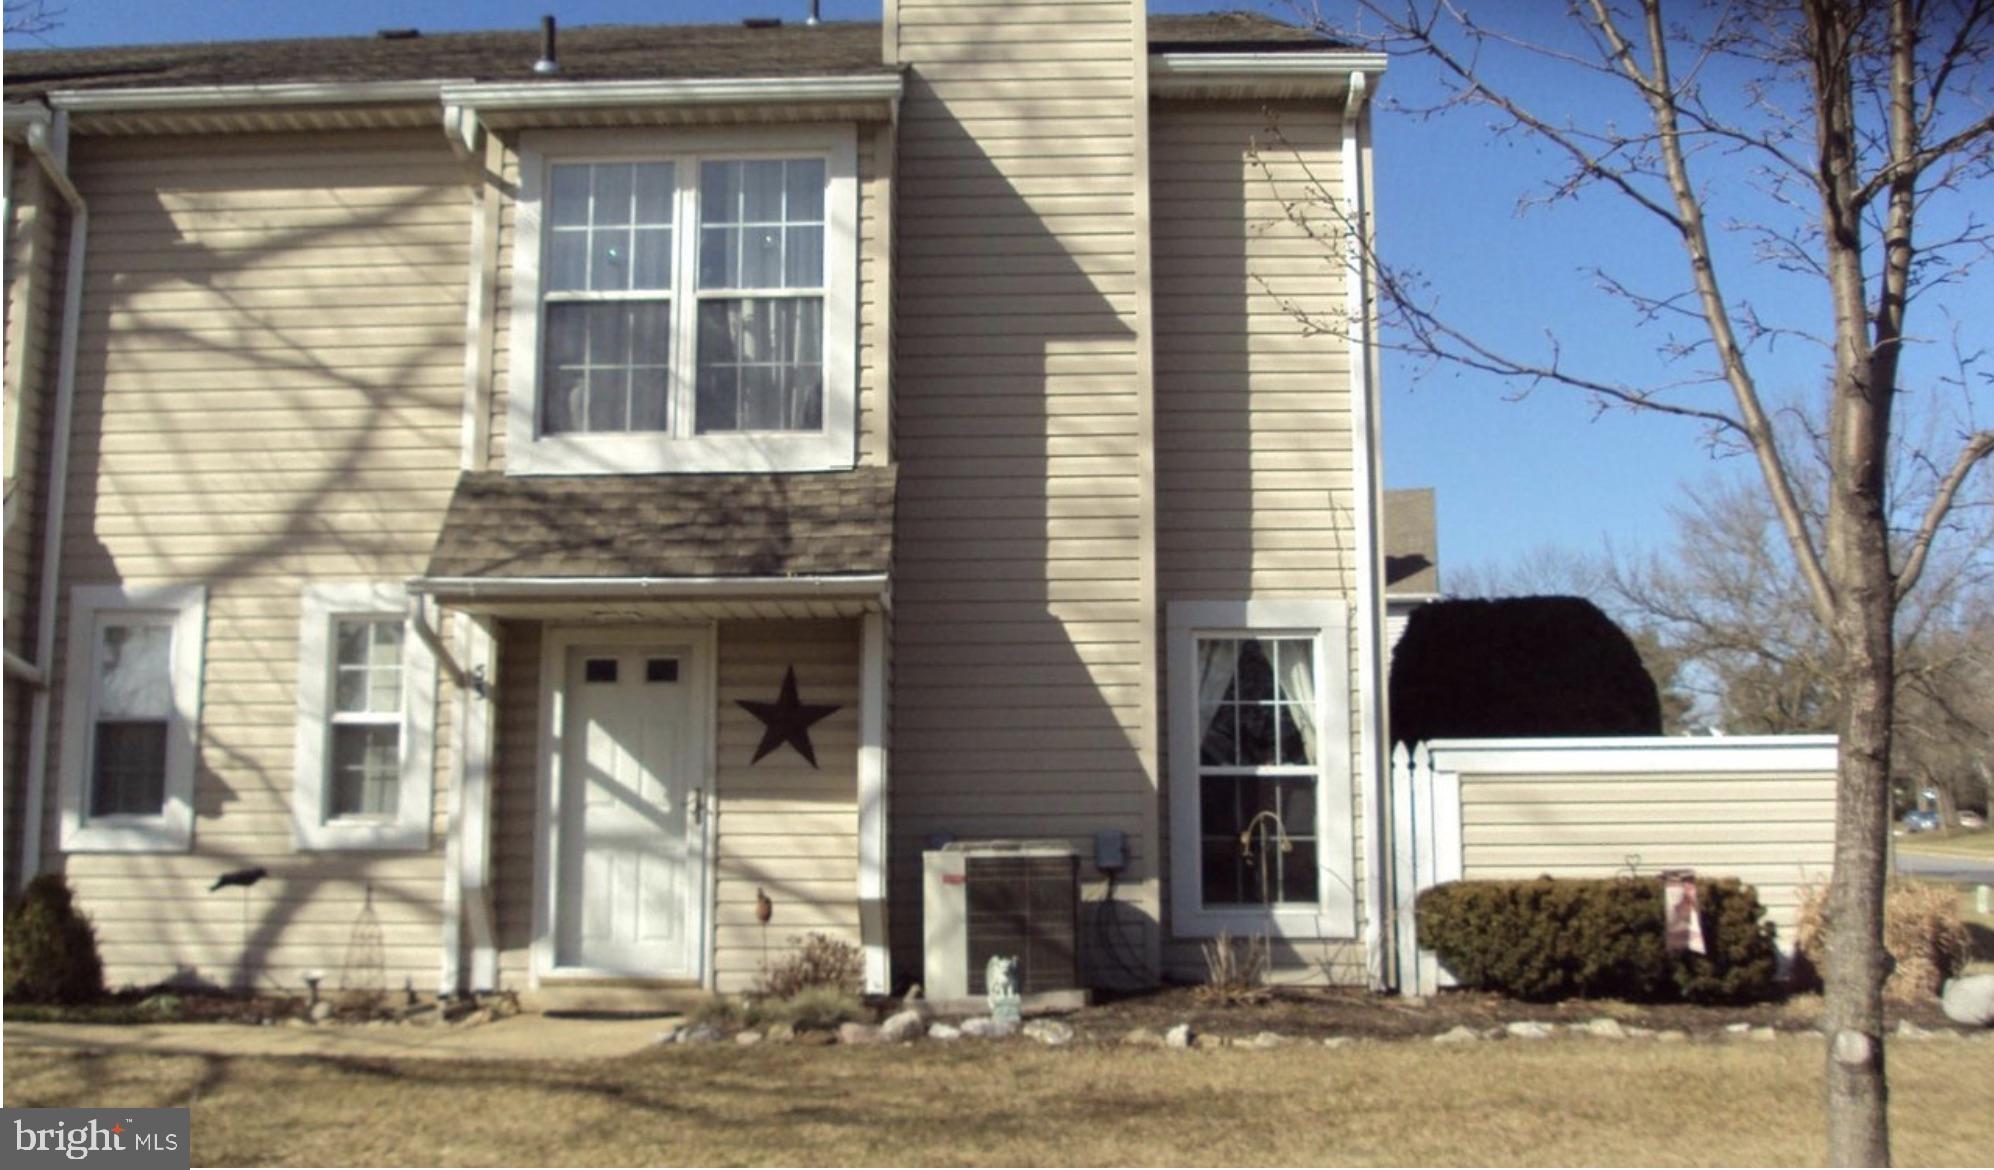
[1550, 938]
[1515, 667]
[51, 948]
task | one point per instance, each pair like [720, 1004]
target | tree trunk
[1857, 964]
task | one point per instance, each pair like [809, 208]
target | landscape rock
[1906, 1030]
[854, 1033]
[1142, 1038]
[1335, 1041]
[1051, 1033]
[1605, 1028]
[1640, 1033]
[1530, 1030]
[702, 1034]
[1764, 1035]
[298, 1022]
[1672, 1036]
[1265, 1040]
[1969, 1000]
[668, 1036]
[903, 1026]
[781, 1033]
[1737, 1029]
[1458, 1034]
[1208, 1040]
[816, 1039]
[944, 1032]
[985, 1028]
[748, 1039]
[321, 1012]
[1178, 1037]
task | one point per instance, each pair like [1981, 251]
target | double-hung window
[366, 721]
[132, 711]
[684, 301]
[1259, 751]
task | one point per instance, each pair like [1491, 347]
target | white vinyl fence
[1758, 808]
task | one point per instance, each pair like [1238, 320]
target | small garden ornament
[1000, 977]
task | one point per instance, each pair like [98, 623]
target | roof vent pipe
[548, 63]
[813, 18]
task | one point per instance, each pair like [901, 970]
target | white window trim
[172, 829]
[1326, 623]
[321, 605]
[835, 448]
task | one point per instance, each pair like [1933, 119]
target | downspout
[1365, 463]
[50, 145]
[466, 846]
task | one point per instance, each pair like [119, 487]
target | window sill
[361, 837]
[165, 833]
[1297, 924]
[663, 455]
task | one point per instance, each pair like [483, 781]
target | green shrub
[816, 1009]
[51, 948]
[1549, 939]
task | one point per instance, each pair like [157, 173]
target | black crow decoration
[240, 877]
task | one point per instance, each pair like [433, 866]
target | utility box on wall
[1019, 899]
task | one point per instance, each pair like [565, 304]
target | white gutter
[863, 586]
[50, 143]
[1300, 63]
[528, 95]
[467, 142]
[202, 97]
[1365, 462]
[1327, 69]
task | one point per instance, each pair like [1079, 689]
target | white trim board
[1622, 755]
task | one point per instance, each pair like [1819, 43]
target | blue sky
[1512, 475]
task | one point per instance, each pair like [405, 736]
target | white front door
[628, 884]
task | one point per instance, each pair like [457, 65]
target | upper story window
[684, 301]
[132, 715]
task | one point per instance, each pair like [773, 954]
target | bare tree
[31, 17]
[1860, 120]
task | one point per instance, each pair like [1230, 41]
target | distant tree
[1860, 148]
[1517, 667]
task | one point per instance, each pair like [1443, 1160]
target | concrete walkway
[515, 1038]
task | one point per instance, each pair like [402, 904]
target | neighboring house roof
[588, 53]
[756, 525]
[1412, 542]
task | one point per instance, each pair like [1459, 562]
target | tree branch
[1977, 448]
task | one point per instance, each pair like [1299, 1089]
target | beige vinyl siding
[1023, 595]
[780, 825]
[34, 240]
[268, 395]
[1775, 831]
[875, 166]
[1253, 418]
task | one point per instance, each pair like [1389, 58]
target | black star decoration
[786, 721]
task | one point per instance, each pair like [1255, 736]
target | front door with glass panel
[628, 881]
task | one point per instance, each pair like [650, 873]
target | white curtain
[1298, 686]
[1215, 663]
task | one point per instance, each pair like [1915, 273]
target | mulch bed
[1332, 1011]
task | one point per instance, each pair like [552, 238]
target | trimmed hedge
[1559, 938]
[51, 948]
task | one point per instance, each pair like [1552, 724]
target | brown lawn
[1559, 1102]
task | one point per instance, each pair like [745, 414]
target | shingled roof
[588, 53]
[620, 526]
